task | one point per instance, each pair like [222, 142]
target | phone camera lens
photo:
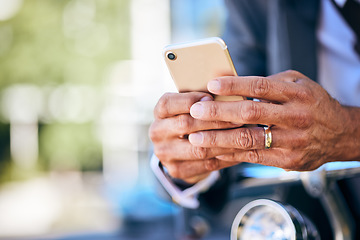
[171, 56]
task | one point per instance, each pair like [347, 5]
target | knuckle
[213, 111]
[183, 123]
[249, 112]
[231, 86]
[211, 164]
[295, 74]
[304, 93]
[245, 139]
[199, 152]
[161, 108]
[303, 120]
[253, 156]
[211, 137]
[154, 132]
[292, 72]
[260, 86]
[161, 153]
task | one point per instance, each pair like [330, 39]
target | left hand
[309, 127]
[169, 134]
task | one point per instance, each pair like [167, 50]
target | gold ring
[268, 137]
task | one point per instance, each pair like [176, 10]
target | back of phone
[192, 65]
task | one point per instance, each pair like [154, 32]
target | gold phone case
[192, 65]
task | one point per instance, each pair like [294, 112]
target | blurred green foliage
[77, 147]
[49, 39]
[52, 42]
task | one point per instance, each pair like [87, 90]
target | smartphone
[192, 65]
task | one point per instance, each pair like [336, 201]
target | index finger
[173, 104]
[268, 88]
[246, 112]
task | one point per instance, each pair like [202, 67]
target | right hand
[169, 133]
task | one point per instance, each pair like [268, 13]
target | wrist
[348, 145]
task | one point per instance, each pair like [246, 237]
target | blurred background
[78, 83]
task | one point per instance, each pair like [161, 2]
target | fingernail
[206, 98]
[197, 110]
[214, 86]
[196, 138]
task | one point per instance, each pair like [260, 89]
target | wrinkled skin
[309, 127]
[169, 133]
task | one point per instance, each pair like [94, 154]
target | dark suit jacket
[269, 36]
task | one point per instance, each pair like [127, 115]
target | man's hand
[169, 133]
[309, 127]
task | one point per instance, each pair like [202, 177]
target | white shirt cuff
[187, 197]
